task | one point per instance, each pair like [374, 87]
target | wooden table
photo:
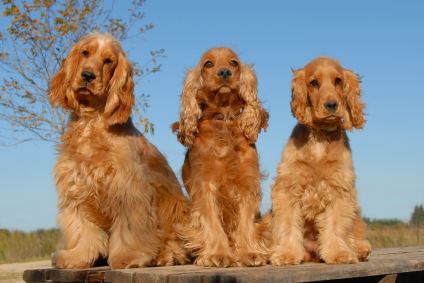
[385, 266]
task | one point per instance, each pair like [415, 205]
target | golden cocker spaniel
[221, 117]
[315, 214]
[118, 197]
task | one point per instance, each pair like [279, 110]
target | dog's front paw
[130, 261]
[363, 250]
[286, 257]
[172, 258]
[252, 259]
[216, 260]
[338, 255]
[69, 259]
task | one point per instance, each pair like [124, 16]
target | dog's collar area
[329, 130]
[220, 117]
[324, 129]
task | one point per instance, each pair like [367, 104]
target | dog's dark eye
[107, 61]
[337, 81]
[208, 64]
[314, 83]
[85, 53]
[234, 63]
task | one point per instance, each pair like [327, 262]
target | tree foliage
[417, 217]
[39, 35]
[383, 222]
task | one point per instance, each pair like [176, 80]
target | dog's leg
[250, 251]
[175, 216]
[336, 237]
[209, 236]
[172, 251]
[287, 229]
[362, 246]
[135, 235]
[84, 242]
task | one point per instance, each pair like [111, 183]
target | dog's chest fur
[326, 171]
[87, 168]
[317, 194]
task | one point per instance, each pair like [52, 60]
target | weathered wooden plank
[382, 262]
[34, 275]
[95, 274]
[398, 265]
[302, 273]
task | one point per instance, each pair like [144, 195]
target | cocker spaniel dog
[118, 197]
[315, 214]
[220, 120]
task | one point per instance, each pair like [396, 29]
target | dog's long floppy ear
[190, 110]
[300, 105]
[254, 117]
[60, 91]
[121, 93]
[354, 117]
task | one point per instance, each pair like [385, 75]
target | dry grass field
[17, 246]
[401, 235]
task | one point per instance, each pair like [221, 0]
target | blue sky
[383, 41]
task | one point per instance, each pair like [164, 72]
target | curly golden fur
[220, 120]
[201, 81]
[118, 197]
[315, 214]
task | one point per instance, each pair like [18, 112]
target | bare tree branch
[32, 48]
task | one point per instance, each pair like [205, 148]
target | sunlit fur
[315, 214]
[201, 86]
[219, 123]
[118, 197]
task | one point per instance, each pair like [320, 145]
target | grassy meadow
[17, 246]
[383, 235]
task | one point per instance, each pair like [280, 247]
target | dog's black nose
[224, 73]
[331, 105]
[88, 76]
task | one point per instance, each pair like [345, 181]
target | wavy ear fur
[60, 92]
[254, 117]
[190, 110]
[354, 117]
[121, 93]
[300, 105]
